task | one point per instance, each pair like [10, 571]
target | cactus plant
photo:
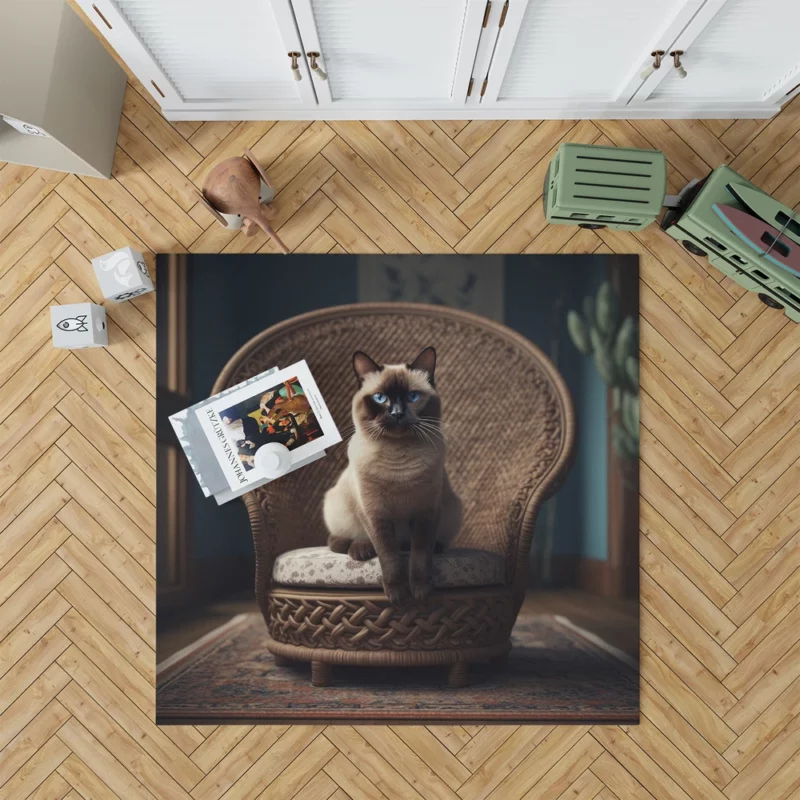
[612, 340]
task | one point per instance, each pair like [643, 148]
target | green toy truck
[625, 189]
[701, 231]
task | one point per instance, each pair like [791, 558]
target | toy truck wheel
[769, 301]
[592, 226]
[693, 248]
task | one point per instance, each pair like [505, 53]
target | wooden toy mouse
[233, 190]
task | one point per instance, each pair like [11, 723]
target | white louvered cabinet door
[387, 54]
[207, 54]
[569, 54]
[747, 51]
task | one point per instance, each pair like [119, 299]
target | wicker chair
[510, 428]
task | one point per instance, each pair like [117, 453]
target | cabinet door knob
[657, 56]
[295, 68]
[676, 60]
[313, 56]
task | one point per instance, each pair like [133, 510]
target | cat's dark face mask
[395, 399]
[393, 405]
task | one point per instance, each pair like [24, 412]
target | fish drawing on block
[77, 324]
[761, 237]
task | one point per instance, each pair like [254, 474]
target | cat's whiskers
[349, 431]
[424, 433]
[432, 428]
[430, 422]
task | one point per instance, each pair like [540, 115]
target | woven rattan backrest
[508, 416]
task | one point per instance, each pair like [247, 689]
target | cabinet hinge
[483, 88]
[469, 88]
[486, 13]
[503, 15]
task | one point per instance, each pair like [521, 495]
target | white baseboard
[651, 111]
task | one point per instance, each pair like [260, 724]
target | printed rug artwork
[555, 671]
[511, 383]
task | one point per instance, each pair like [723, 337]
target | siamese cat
[394, 494]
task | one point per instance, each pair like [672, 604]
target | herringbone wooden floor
[720, 474]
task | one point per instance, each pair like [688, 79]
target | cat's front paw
[361, 549]
[397, 593]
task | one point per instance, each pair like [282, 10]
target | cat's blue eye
[412, 397]
[379, 397]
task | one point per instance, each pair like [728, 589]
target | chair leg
[321, 673]
[458, 675]
[282, 661]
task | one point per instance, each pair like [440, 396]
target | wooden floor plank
[109, 624]
[419, 161]
[147, 156]
[501, 180]
[159, 131]
[31, 702]
[153, 198]
[782, 675]
[38, 258]
[31, 629]
[685, 737]
[493, 152]
[476, 133]
[684, 412]
[437, 143]
[384, 198]
[94, 718]
[28, 233]
[401, 179]
[30, 488]
[85, 782]
[107, 586]
[684, 628]
[713, 729]
[12, 176]
[675, 583]
[641, 766]
[353, 204]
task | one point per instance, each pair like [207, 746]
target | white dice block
[122, 274]
[78, 325]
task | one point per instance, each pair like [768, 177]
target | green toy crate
[696, 225]
[598, 187]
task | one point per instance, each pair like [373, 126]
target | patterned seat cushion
[318, 566]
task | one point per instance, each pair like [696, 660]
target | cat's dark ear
[363, 365]
[425, 361]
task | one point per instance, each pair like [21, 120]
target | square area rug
[556, 672]
[535, 416]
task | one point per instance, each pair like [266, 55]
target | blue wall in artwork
[575, 521]
[228, 306]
